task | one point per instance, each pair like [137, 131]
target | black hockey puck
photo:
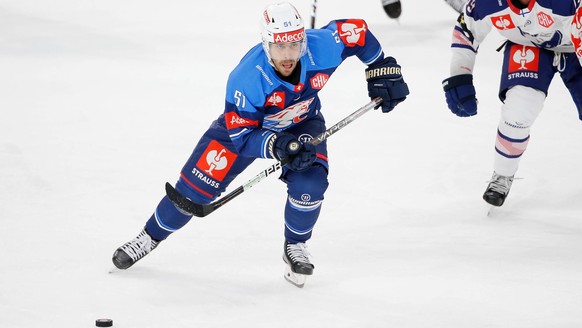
[104, 323]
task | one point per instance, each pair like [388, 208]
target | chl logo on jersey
[215, 162]
[545, 20]
[277, 98]
[318, 81]
[523, 62]
[353, 32]
[503, 22]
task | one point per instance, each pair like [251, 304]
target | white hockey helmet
[281, 23]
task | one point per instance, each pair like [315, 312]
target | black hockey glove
[301, 155]
[460, 95]
[385, 81]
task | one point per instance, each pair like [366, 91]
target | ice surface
[102, 101]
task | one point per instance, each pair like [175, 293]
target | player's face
[285, 56]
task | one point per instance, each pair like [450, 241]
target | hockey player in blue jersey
[272, 110]
[543, 38]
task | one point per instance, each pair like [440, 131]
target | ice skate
[298, 266]
[498, 189]
[134, 250]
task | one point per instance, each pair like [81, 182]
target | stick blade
[183, 203]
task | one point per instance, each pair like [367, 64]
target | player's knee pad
[306, 188]
[519, 111]
[305, 191]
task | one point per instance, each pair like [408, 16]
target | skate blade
[296, 279]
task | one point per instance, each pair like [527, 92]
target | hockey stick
[202, 210]
[313, 11]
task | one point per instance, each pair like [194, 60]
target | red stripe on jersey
[194, 186]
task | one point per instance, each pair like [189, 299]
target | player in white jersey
[543, 38]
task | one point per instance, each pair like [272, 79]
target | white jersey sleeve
[468, 34]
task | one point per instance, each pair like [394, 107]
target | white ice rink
[101, 103]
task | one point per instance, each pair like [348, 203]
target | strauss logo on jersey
[214, 163]
[353, 32]
[503, 22]
[524, 62]
[277, 98]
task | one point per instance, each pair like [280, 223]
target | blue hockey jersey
[259, 103]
